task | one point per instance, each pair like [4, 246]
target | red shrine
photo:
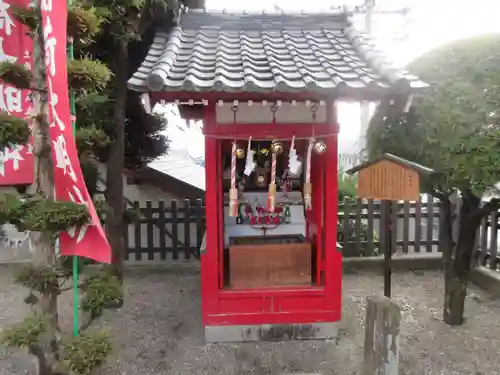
[267, 86]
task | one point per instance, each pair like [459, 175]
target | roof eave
[395, 159]
[343, 94]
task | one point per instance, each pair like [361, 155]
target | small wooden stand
[389, 178]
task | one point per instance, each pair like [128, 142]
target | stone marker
[381, 355]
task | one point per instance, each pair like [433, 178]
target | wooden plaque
[257, 265]
[386, 180]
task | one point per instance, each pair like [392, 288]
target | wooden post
[387, 211]
[391, 178]
[381, 353]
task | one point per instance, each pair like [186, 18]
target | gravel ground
[159, 331]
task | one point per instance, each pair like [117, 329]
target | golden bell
[240, 152]
[319, 147]
[264, 151]
[277, 147]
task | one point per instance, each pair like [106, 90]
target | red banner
[89, 240]
[16, 163]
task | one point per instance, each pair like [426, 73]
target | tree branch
[439, 194]
[492, 205]
[68, 288]
[467, 193]
[88, 322]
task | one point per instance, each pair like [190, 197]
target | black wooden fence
[166, 228]
[414, 227]
[178, 227]
[487, 253]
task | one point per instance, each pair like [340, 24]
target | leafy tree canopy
[454, 127]
[143, 139]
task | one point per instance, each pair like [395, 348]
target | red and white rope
[308, 160]
[273, 168]
[233, 166]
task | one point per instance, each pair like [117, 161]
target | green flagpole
[76, 324]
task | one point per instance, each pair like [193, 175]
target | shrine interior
[270, 244]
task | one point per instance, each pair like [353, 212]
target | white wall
[14, 245]
[143, 193]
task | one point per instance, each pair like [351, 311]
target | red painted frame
[316, 303]
[268, 131]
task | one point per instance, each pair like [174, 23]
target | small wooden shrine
[268, 85]
[389, 177]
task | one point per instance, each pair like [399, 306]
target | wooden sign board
[387, 180]
[390, 178]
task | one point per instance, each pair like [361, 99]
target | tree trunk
[115, 163]
[445, 231]
[458, 269]
[43, 186]
[455, 291]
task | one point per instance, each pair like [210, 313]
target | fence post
[370, 229]
[418, 225]
[125, 229]
[138, 233]
[150, 214]
[429, 229]
[493, 251]
[200, 226]
[482, 243]
[346, 208]
[386, 212]
[187, 229]
[381, 351]
[175, 242]
[162, 231]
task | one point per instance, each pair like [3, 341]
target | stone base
[271, 332]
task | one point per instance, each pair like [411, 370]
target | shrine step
[271, 332]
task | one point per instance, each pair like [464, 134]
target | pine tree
[134, 135]
[39, 213]
[143, 139]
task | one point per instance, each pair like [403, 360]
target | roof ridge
[367, 47]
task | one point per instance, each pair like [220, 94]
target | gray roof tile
[248, 52]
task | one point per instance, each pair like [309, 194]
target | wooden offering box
[269, 261]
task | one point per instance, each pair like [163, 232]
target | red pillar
[333, 257]
[209, 260]
[318, 207]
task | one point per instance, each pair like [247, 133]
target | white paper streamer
[294, 165]
[249, 163]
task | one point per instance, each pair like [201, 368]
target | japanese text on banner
[89, 240]
[16, 162]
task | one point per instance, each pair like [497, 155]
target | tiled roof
[248, 52]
